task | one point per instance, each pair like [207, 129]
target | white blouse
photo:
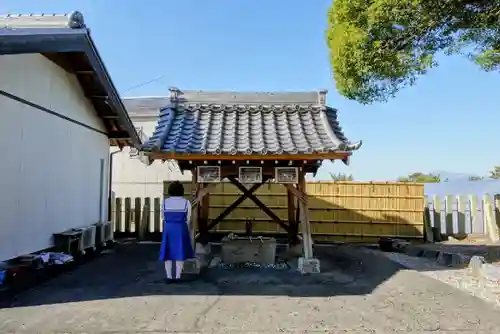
[175, 203]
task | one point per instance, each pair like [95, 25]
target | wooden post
[292, 222]
[118, 215]
[203, 219]
[144, 224]
[128, 214]
[304, 218]
[157, 225]
[194, 208]
[137, 216]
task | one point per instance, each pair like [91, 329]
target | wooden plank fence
[339, 211]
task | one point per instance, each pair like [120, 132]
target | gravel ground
[462, 279]
[358, 291]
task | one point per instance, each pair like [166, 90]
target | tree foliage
[379, 46]
[422, 178]
[341, 177]
[495, 173]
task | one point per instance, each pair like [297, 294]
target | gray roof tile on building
[253, 127]
[72, 20]
[146, 105]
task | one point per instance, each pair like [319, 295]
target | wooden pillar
[304, 218]
[292, 221]
[195, 207]
[203, 219]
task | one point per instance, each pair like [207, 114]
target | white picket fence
[464, 215]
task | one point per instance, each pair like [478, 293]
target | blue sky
[448, 121]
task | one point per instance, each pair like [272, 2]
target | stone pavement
[357, 292]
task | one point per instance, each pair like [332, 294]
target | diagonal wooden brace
[202, 193]
[261, 205]
[235, 204]
[301, 196]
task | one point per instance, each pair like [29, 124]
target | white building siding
[132, 178]
[50, 169]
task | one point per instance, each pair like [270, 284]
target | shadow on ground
[133, 270]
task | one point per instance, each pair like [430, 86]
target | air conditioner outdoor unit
[104, 233]
[286, 175]
[87, 240]
[109, 235]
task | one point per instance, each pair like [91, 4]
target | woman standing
[176, 240]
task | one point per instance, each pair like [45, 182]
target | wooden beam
[60, 60]
[85, 72]
[242, 157]
[97, 97]
[235, 204]
[261, 205]
[119, 135]
[202, 192]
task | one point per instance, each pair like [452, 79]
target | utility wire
[145, 83]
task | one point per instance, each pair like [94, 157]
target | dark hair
[176, 189]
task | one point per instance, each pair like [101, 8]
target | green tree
[495, 173]
[341, 177]
[379, 46]
[422, 178]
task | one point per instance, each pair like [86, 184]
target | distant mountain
[463, 187]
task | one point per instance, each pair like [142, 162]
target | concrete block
[452, 259]
[309, 266]
[430, 254]
[192, 266]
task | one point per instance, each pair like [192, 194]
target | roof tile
[248, 129]
[72, 20]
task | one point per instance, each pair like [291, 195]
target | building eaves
[64, 34]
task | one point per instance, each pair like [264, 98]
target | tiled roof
[248, 128]
[149, 106]
[72, 20]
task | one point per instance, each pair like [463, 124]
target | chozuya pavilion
[251, 138]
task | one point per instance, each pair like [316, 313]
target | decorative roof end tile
[322, 97]
[76, 20]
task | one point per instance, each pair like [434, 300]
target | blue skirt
[176, 242]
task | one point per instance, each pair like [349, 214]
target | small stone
[476, 265]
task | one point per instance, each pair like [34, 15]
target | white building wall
[50, 168]
[132, 178]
